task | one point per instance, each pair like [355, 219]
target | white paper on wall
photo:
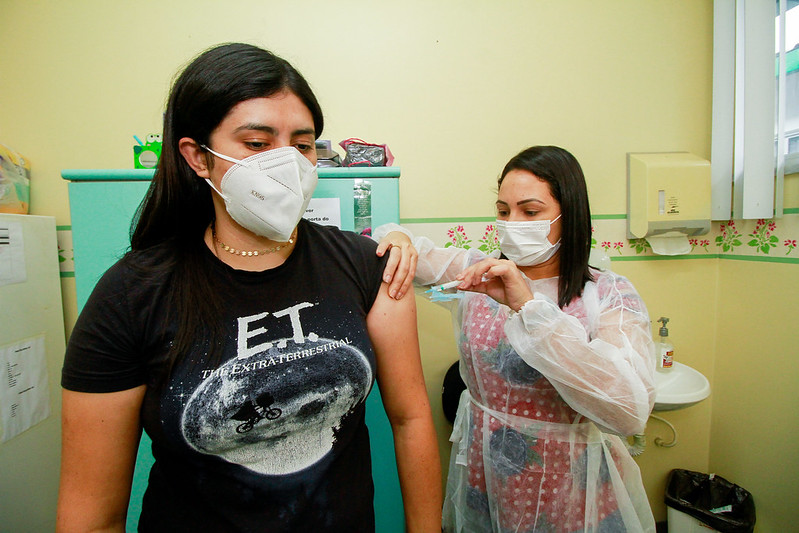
[24, 391]
[324, 211]
[12, 253]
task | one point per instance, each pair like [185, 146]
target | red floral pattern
[539, 483]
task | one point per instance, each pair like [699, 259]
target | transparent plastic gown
[536, 443]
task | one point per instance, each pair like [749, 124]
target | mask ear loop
[273, 154]
[550, 229]
[226, 158]
[220, 156]
[215, 189]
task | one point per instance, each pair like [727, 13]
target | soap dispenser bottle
[664, 348]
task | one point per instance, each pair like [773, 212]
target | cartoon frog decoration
[145, 155]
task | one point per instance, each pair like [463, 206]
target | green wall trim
[622, 216]
[609, 217]
[445, 220]
[758, 258]
[68, 274]
[63, 228]
[762, 258]
[450, 220]
[663, 257]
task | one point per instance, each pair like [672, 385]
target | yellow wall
[756, 398]
[674, 288]
[455, 88]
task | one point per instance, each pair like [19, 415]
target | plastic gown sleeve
[435, 265]
[608, 375]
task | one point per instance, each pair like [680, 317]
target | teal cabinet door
[102, 205]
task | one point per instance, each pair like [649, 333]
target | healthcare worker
[558, 362]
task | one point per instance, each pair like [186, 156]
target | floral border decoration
[763, 237]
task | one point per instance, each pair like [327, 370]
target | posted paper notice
[324, 211]
[24, 391]
[12, 253]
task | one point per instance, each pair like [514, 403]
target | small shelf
[146, 174]
[108, 174]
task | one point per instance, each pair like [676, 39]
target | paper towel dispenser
[668, 197]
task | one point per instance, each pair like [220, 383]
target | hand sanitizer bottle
[665, 349]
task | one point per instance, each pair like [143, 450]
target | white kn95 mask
[267, 193]
[525, 242]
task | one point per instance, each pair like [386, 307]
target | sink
[679, 388]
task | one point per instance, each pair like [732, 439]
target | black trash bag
[712, 500]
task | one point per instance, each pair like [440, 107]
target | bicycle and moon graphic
[251, 413]
[286, 416]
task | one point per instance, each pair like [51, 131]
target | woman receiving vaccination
[241, 337]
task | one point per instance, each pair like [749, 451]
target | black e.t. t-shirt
[272, 437]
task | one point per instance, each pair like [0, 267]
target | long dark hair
[178, 206]
[566, 182]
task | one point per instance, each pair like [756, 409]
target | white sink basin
[680, 387]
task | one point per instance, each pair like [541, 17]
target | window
[755, 138]
[786, 32]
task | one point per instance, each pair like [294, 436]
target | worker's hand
[401, 265]
[498, 278]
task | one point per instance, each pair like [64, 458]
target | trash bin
[694, 499]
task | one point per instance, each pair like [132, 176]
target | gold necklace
[251, 253]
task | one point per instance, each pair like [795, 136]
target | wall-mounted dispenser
[668, 199]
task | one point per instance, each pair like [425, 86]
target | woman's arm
[432, 264]
[609, 377]
[392, 328]
[99, 440]
[607, 374]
